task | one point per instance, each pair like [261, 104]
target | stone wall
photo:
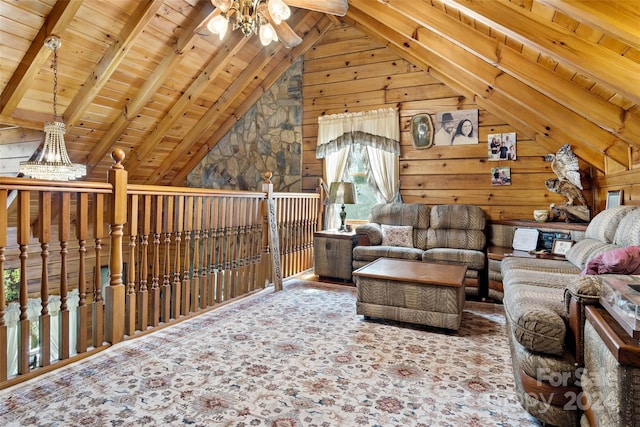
[267, 137]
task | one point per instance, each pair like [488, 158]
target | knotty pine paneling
[348, 72]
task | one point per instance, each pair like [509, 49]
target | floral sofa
[544, 303]
[440, 233]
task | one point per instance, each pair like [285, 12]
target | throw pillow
[397, 235]
[618, 261]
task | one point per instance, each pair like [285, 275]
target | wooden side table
[333, 253]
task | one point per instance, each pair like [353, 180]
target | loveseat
[413, 231]
[544, 302]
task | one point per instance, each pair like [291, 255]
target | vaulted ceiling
[148, 77]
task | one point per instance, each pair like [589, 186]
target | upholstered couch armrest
[585, 288]
[369, 234]
[580, 292]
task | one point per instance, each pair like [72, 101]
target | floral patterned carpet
[300, 357]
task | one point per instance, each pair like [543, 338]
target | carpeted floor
[300, 357]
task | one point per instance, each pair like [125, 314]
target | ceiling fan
[267, 18]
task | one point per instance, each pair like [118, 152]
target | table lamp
[342, 193]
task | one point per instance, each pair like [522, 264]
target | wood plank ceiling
[148, 77]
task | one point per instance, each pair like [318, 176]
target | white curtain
[384, 170]
[34, 307]
[337, 133]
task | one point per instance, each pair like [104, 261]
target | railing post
[271, 231]
[115, 292]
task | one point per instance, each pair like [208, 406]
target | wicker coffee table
[411, 291]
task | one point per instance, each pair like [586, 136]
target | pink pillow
[618, 261]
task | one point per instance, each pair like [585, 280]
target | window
[357, 173]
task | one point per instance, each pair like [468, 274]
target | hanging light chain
[55, 84]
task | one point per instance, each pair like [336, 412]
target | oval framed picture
[422, 131]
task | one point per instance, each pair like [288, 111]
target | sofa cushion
[372, 253]
[534, 316]
[628, 232]
[585, 249]
[538, 264]
[472, 259]
[414, 214]
[397, 235]
[515, 278]
[603, 226]
[460, 217]
[618, 261]
[456, 239]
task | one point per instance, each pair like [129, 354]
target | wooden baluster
[242, 247]
[143, 292]
[176, 295]
[204, 274]
[234, 247]
[186, 282]
[280, 216]
[213, 253]
[304, 218]
[155, 271]
[300, 212]
[45, 239]
[130, 297]
[24, 335]
[165, 294]
[82, 211]
[228, 284]
[98, 305]
[4, 366]
[220, 253]
[287, 222]
[256, 243]
[64, 231]
[195, 282]
[308, 239]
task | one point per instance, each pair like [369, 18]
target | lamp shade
[343, 193]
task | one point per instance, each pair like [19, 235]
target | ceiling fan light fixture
[218, 25]
[278, 10]
[267, 34]
[251, 17]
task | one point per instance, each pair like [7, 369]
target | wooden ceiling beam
[173, 54]
[457, 50]
[608, 116]
[110, 61]
[618, 19]
[37, 54]
[322, 26]
[234, 44]
[602, 64]
[467, 71]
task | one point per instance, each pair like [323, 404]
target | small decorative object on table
[541, 215]
[561, 246]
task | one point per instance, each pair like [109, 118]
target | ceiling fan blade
[333, 7]
[285, 33]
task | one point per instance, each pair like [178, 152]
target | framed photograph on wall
[421, 131]
[458, 127]
[500, 176]
[561, 246]
[614, 198]
[502, 146]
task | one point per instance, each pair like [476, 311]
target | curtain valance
[363, 138]
[383, 122]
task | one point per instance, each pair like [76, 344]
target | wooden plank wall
[347, 71]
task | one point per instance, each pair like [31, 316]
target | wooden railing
[115, 260]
